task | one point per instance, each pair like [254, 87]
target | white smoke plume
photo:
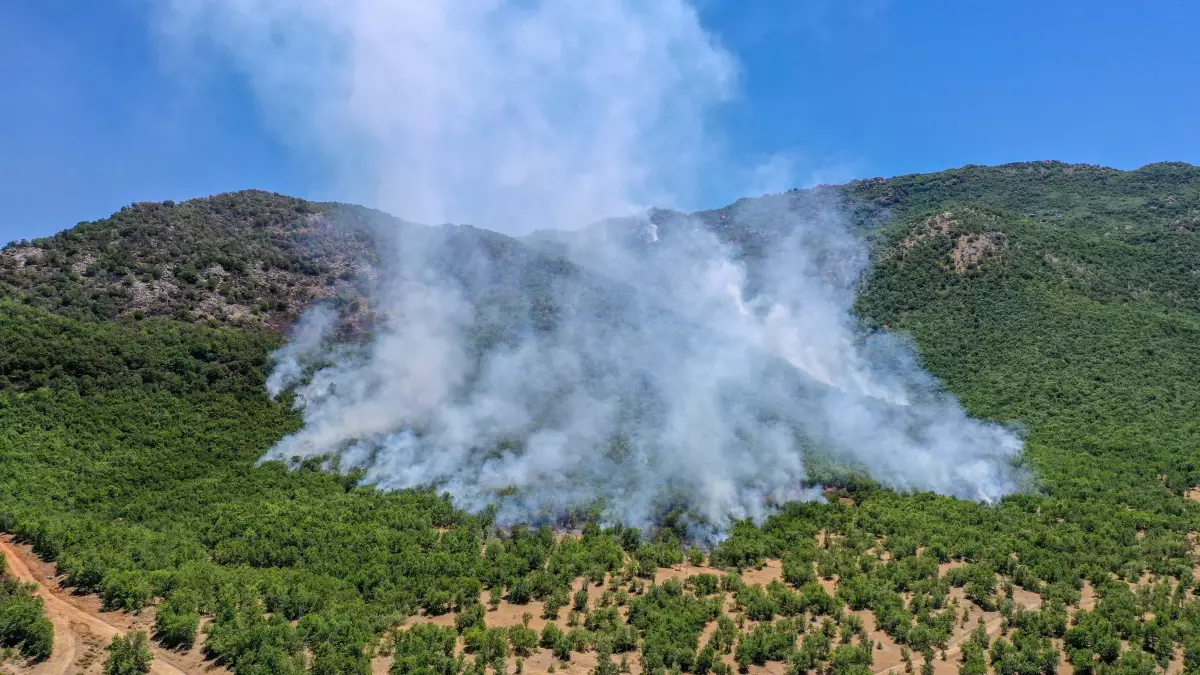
[510, 114]
[308, 340]
[662, 367]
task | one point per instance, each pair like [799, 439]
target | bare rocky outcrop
[971, 250]
[968, 250]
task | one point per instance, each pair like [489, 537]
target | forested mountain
[256, 258]
[1065, 298]
[245, 259]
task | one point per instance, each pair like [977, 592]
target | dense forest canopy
[1063, 298]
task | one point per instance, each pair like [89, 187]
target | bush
[129, 590]
[176, 624]
[424, 648]
[469, 618]
[128, 654]
[23, 623]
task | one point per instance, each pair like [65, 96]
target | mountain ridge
[254, 258]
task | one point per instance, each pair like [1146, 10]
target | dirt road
[78, 634]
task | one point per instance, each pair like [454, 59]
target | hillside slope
[1060, 297]
[257, 259]
[245, 259]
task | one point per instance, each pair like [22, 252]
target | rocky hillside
[258, 259]
[244, 259]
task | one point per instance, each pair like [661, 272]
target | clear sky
[91, 119]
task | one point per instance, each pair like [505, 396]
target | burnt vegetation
[1060, 297]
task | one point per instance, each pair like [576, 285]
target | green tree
[128, 654]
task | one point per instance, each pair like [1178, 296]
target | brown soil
[81, 629]
[947, 566]
[771, 571]
[1087, 597]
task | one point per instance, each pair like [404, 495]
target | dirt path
[75, 629]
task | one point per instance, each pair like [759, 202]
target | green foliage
[177, 622]
[671, 622]
[974, 661]
[247, 258]
[45, 351]
[703, 584]
[128, 654]
[757, 604]
[848, 658]
[767, 642]
[87, 482]
[489, 645]
[550, 636]
[579, 601]
[814, 651]
[23, 623]
[554, 602]
[469, 618]
[523, 639]
[1025, 655]
[425, 649]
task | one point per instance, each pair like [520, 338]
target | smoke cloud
[647, 363]
[510, 114]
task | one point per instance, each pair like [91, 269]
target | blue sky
[90, 118]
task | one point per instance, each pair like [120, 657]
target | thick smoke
[667, 370]
[510, 114]
[643, 364]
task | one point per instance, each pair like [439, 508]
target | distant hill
[245, 259]
[254, 258]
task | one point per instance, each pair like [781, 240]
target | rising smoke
[639, 365]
